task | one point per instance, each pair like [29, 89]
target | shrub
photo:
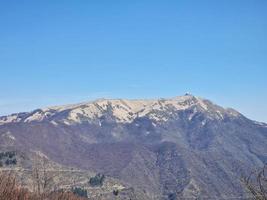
[79, 192]
[11, 161]
[7, 154]
[172, 196]
[8, 158]
[97, 180]
[116, 192]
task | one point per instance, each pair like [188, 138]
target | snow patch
[123, 111]
[147, 132]
[9, 135]
[40, 154]
[203, 123]
[260, 123]
[54, 123]
[202, 104]
[9, 119]
[219, 114]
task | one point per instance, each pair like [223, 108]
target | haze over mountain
[177, 148]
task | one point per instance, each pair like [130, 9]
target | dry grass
[256, 184]
[11, 190]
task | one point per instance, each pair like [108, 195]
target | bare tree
[7, 185]
[43, 177]
[256, 183]
[11, 190]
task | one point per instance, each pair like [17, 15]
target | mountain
[179, 148]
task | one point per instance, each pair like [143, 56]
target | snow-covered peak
[11, 118]
[124, 110]
[121, 110]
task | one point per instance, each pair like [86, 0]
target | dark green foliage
[8, 158]
[97, 180]
[11, 161]
[116, 192]
[8, 154]
[79, 192]
[172, 196]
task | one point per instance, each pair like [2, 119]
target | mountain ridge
[179, 148]
[134, 106]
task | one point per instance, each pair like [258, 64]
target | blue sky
[58, 52]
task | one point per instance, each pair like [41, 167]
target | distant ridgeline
[8, 158]
[183, 147]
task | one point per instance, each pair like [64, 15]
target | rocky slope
[183, 147]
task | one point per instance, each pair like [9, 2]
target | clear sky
[58, 52]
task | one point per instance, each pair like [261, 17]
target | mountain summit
[122, 110]
[184, 147]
